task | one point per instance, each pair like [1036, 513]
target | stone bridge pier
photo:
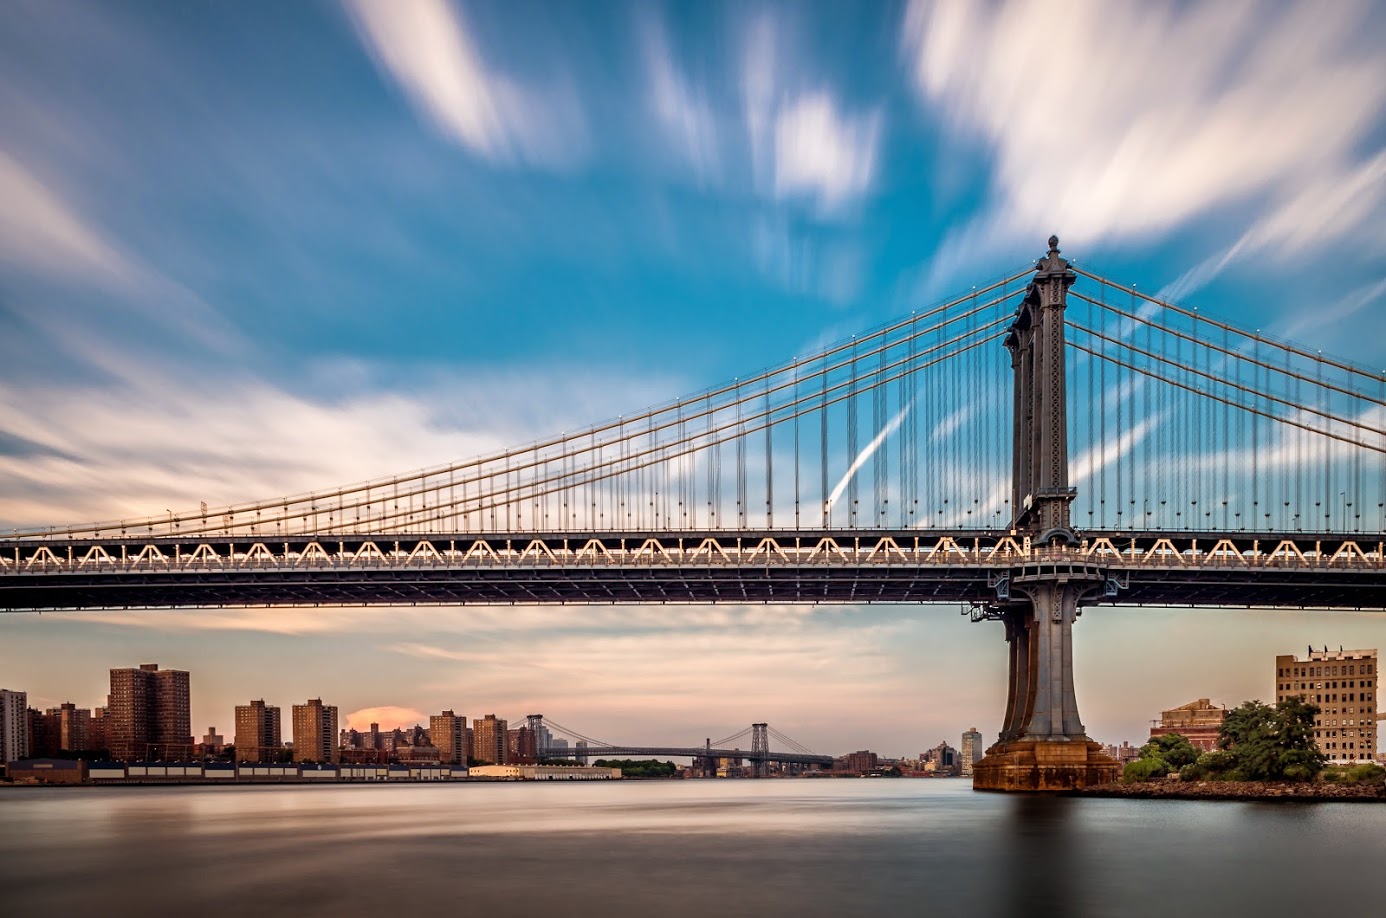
[1043, 745]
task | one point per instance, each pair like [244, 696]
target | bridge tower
[1043, 744]
[760, 748]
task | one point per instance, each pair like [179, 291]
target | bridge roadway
[698, 752]
[1220, 569]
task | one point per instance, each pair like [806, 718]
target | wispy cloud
[1345, 308]
[426, 48]
[682, 110]
[38, 230]
[1100, 455]
[1123, 121]
[807, 262]
[1340, 203]
[42, 232]
[229, 439]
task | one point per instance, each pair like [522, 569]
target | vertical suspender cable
[823, 448]
[797, 412]
[769, 463]
[852, 397]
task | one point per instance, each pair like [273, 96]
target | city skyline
[666, 730]
[358, 275]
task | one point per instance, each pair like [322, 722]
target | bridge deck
[849, 566]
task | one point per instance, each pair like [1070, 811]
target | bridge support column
[1043, 745]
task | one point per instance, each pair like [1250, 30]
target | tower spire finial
[1053, 245]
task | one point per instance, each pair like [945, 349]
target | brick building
[490, 740]
[258, 735]
[1200, 722]
[315, 732]
[148, 716]
[448, 733]
[1343, 683]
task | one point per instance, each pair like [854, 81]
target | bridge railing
[932, 551]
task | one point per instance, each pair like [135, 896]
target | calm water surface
[712, 848]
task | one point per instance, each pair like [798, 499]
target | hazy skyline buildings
[971, 750]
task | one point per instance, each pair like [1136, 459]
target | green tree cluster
[633, 768]
[1160, 756]
[1263, 743]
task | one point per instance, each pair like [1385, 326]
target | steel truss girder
[843, 566]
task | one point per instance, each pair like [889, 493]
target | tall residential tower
[315, 732]
[257, 732]
[14, 725]
[149, 715]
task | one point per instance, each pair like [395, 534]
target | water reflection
[723, 848]
[1038, 868]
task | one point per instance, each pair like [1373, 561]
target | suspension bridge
[1047, 442]
[705, 756]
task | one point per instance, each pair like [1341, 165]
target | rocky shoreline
[1238, 790]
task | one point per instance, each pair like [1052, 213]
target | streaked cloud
[227, 439]
[42, 232]
[1123, 121]
[1350, 201]
[803, 261]
[426, 48]
[38, 230]
[681, 108]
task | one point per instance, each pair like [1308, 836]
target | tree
[1174, 748]
[647, 768]
[1272, 743]
[1146, 768]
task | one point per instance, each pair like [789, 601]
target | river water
[710, 848]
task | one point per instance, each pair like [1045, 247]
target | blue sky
[255, 249]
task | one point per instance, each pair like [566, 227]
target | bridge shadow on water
[1038, 863]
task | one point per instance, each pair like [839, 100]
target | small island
[1263, 752]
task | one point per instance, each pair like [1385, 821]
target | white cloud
[1124, 121]
[43, 232]
[1340, 203]
[866, 454]
[159, 442]
[805, 144]
[39, 230]
[823, 153]
[1100, 455]
[425, 47]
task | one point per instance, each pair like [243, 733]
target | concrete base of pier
[1044, 765]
